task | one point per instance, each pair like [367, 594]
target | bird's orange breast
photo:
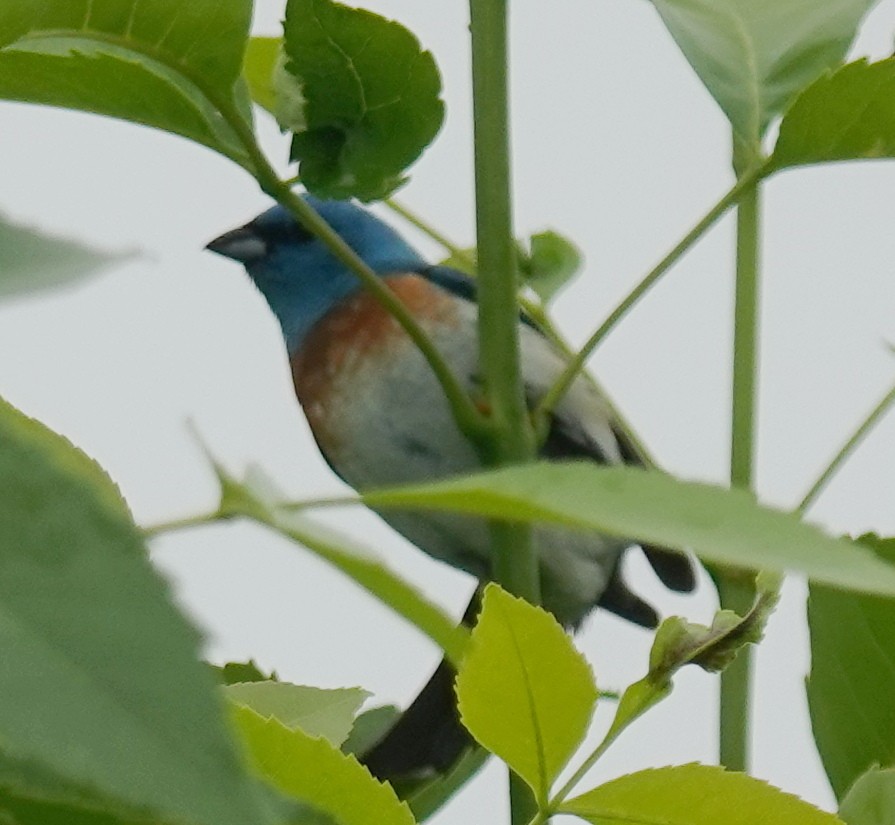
[341, 351]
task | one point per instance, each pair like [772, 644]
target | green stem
[510, 566]
[414, 219]
[514, 559]
[736, 589]
[845, 452]
[635, 701]
[497, 284]
[182, 524]
[576, 365]
[745, 342]
[498, 325]
[614, 732]
[736, 593]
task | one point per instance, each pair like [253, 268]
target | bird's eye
[298, 234]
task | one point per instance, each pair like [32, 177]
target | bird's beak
[242, 244]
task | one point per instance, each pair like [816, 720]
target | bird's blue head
[297, 274]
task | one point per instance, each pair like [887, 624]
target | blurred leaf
[754, 56]
[42, 812]
[466, 262]
[524, 691]
[693, 795]
[720, 525]
[317, 712]
[100, 683]
[551, 265]
[375, 577]
[852, 666]
[314, 771]
[871, 800]
[259, 499]
[371, 95]
[32, 262]
[846, 115]
[35, 796]
[165, 64]
[369, 727]
[261, 58]
[233, 673]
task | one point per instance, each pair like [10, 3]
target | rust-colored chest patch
[352, 335]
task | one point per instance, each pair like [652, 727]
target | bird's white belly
[384, 421]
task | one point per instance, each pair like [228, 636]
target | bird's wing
[604, 440]
[568, 440]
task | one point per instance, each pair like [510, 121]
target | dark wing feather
[673, 568]
[568, 440]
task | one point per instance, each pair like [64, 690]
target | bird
[380, 418]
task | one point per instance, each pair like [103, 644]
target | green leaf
[551, 265]
[41, 812]
[100, 683]
[35, 795]
[852, 664]
[754, 56]
[314, 771]
[466, 261]
[369, 727]
[258, 498]
[374, 576]
[719, 525]
[33, 262]
[261, 59]
[846, 115]
[371, 97]
[271, 86]
[693, 795]
[233, 673]
[318, 712]
[525, 692]
[165, 64]
[678, 643]
[871, 800]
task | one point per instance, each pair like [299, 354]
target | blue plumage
[298, 276]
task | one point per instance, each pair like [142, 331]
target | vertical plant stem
[736, 589]
[498, 319]
[745, 341]
[513, 440]
[737, 594]
[514, 558]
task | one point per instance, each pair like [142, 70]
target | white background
[617, 145]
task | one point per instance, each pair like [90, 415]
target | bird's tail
[428, 738]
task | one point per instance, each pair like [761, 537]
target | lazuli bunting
[380, 418]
